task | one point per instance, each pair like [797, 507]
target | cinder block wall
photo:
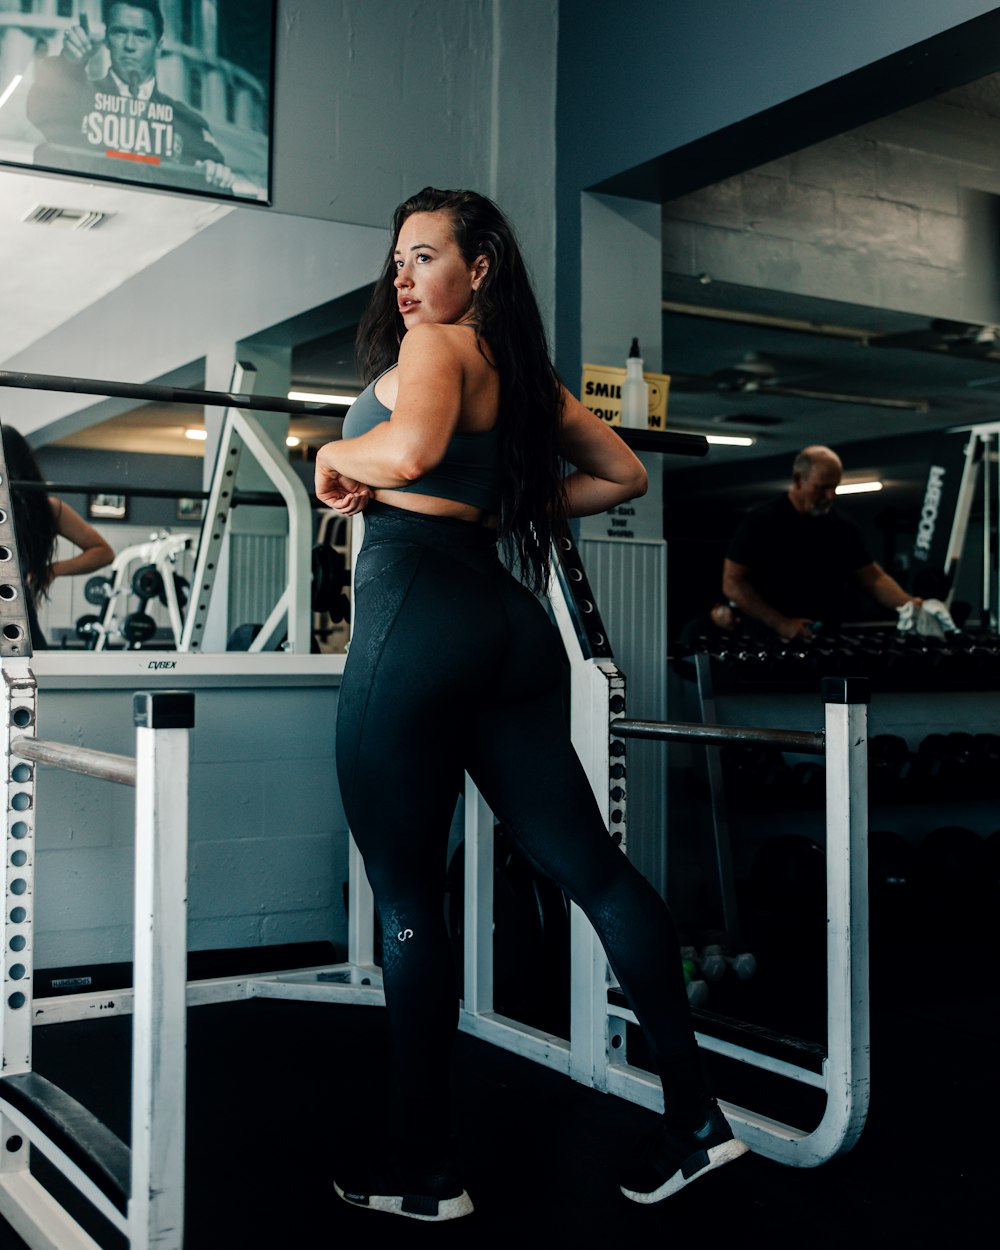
[900, 214]
[268, 835]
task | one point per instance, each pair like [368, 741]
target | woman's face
[433, 280]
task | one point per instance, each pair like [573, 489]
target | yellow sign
[601, 392]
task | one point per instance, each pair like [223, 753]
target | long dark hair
[34, 521]
[505, 312]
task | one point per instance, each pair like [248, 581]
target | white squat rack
[142, 1195]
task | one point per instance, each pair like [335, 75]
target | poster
[175, 94]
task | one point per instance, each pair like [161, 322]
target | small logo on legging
[403, 934]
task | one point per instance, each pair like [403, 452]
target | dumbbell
[697, 990]
[88, 628]
[138, 628]
[147, 583]
[97, 590]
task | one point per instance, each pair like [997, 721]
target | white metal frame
[242, 431]
[981, 449]
[155, 1209]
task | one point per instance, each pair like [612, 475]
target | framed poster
[175, 94]
[107, 507]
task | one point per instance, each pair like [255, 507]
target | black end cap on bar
[846, 690]
[163, 709]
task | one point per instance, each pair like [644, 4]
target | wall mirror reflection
[846, 294]
[171, 294]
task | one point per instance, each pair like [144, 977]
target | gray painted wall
[897, 214]
[379, 99]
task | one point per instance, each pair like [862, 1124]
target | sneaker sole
[726, 1152]
[396, 1204]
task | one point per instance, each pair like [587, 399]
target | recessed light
[198, 436]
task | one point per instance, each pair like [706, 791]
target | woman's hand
[343, 494]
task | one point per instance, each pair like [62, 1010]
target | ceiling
[789, 370]
[56, 269]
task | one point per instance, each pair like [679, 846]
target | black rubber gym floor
[279, 1093]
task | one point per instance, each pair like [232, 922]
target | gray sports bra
[468, 473]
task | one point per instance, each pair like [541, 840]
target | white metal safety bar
[151, 1209]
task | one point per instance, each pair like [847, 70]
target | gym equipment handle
[102, 764]
[721, 735]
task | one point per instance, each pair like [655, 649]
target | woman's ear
[480, 269]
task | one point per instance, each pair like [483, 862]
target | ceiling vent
[66, 218]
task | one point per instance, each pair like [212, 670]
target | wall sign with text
[601, 392]
[175, 96]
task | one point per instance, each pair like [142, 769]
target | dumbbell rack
[160, 553]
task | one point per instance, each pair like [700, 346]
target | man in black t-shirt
[791, 558]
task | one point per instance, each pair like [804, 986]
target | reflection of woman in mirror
[456, 446]
[39, 519]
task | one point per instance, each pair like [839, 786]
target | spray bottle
[635, 392]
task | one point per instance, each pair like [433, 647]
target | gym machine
[148, 571]
[952, 482]
[595, 1052]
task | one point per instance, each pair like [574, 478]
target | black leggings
[455, 667]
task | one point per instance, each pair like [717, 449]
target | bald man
[791, 559]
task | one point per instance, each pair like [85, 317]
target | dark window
[27, 6]
[64, 8]
[230, 102]
[194, 86]
[190, 23]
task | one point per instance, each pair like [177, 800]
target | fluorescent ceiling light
[199, 436]
[313, 397]
[858, 488]
[730, 440]
[723, 440]
[15, 82]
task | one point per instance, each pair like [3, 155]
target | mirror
[844, 294]
[174, 293]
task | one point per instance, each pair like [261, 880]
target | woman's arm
[606, 471]
[414, 440]
[95, 552]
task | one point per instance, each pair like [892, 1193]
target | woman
[40, 519]
[456, 446]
